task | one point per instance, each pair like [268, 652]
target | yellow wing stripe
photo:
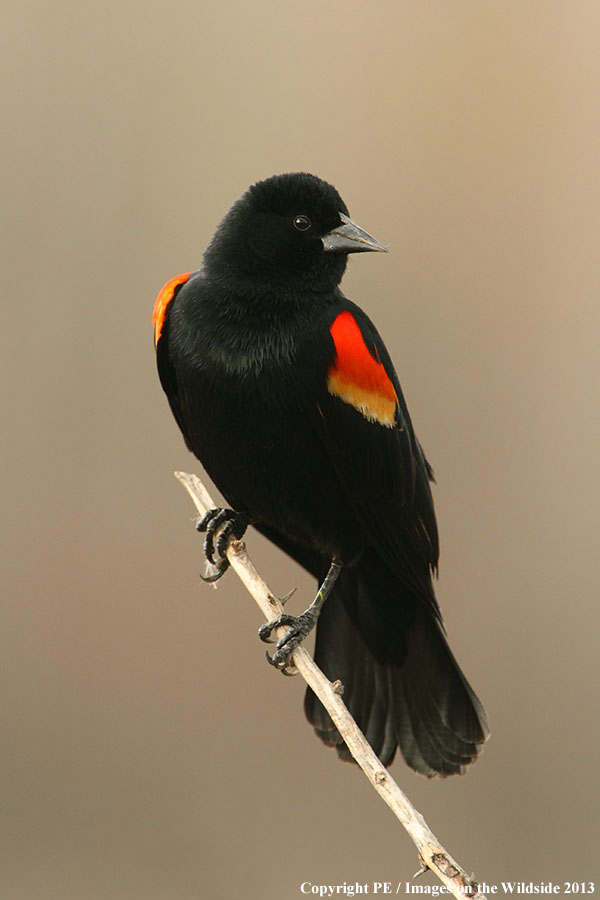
[374, 406]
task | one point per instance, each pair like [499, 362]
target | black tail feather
[401, 682]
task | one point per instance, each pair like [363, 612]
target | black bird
[285, 392]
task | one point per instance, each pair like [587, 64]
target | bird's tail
[401, 682]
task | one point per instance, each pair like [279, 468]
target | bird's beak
[350, 238]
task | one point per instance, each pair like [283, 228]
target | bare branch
[431, 853]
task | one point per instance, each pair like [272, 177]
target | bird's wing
[364, 423]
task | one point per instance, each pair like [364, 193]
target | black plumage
[286, 393]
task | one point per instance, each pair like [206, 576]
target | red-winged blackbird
[286, 393]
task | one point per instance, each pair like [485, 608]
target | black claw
[287, 670]
[267, 639]
[300, 626]
[209, 549]
[209, 523]
[234, 523]
[229, 529]
[221, 568]
[202, 521]
[265, 631]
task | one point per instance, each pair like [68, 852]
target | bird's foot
[300, 627]
[232, 524]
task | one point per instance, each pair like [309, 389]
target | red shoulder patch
[165, 295]
[356, 377]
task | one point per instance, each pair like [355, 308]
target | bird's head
[289, 230]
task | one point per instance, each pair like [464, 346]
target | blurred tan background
[149, 751]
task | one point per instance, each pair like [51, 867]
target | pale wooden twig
[431, 853]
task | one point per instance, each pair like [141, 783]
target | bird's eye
[302, 223]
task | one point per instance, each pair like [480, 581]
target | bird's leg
[300, 626]
[234, 525]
